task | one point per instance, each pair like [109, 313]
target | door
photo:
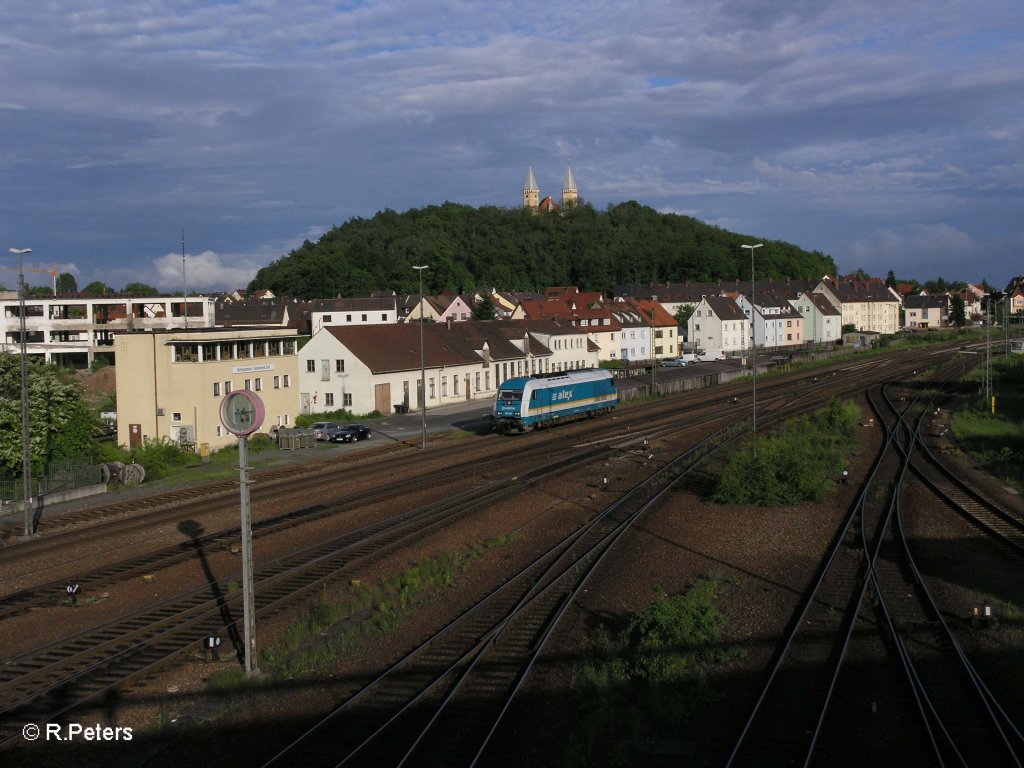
[382, 398]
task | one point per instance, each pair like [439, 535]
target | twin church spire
[531, 193]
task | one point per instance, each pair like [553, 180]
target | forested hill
[514, 249]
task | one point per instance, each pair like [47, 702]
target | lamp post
[26, 451]
[654, 357]
[423, 367]
[753, 346]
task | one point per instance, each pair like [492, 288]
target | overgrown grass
[645, 680]
[333, 628]
[799, 463]
[996, 440]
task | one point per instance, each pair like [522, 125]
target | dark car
[351, 433]
[325, 430]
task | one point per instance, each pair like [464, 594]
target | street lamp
[26, 451]
[753, 345]
[654, 357]
[423, 367]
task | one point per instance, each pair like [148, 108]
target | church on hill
[532, 199]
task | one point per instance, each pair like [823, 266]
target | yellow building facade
[170, 384]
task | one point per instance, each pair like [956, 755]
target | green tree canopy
[96, 289]
[484, 309]
[66, 283]
[61, 425]
[140, 289]
[515, 249]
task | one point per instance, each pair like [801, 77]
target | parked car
[352, 433]
[680, 361]
[325, 430]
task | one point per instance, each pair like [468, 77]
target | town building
[924, 311]
[380, 367]
[74, 332]
[170, 383]
[718, 322]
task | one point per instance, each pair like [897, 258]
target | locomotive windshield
[510, 394]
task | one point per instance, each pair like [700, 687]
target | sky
[888, 134]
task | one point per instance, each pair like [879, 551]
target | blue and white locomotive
[540, 401]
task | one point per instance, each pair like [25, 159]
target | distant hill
[515, 249]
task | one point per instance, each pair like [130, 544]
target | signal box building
[170, 384]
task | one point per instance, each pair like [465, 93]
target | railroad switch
[73, 590]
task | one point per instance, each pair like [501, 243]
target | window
[277, 382]
[329, 398]
[364, 318]
[248, 385]
[339, 366]
[327, 319]
[216, 389]
[219, 433]
[477, 382]
[311, 366]
[289, 346]
[433, 392]
[274, 348]
[325, 370]
[175, 417]
[348, 318]
[227, 387]
[346, 400]
[186, 353]
[383, 317]
[259, 385]
[287, 380]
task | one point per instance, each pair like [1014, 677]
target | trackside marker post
[242, 413]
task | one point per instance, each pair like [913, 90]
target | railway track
[441, 702]
[89, 676]
[871, 564]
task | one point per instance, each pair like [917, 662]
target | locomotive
[543, 400]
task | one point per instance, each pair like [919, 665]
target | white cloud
[203, 272]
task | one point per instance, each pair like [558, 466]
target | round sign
[242, 412]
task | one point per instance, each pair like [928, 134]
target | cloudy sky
[886, 133]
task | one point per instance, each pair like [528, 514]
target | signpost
[242, 413]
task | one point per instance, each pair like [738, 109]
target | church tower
[570, 195]
[531, 192]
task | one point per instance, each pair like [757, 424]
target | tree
[958, 313]
[96, 289]
[61, 425]
[890, 279]
[140, 289]
[484, 309]
[66, 284]
[684, 313]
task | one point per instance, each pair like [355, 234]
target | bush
[646, 681]
[800, 463]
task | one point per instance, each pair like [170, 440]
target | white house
[380, 367]
[822, 321]
[358, 311]
[719, 323]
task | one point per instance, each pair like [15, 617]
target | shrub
[799, 463]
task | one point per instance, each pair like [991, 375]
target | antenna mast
[184, 282]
